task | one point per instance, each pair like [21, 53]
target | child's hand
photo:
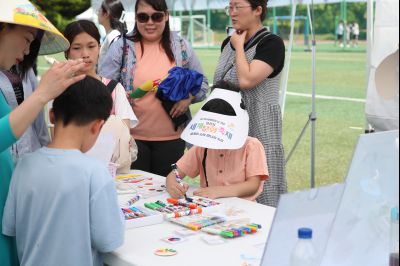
[209, 192]
[176, 190]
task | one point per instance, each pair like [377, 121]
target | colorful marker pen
[178, 176]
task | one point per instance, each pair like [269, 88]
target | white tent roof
[88, 14]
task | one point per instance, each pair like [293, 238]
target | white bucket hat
[22, 12]
[219, 131]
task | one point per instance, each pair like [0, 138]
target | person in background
[85, 44]
[355, 32]
[349, 29]
[109, 15]
[340, 33]
[253, 59]
[59, 196]
[148, 53]
[16, 36]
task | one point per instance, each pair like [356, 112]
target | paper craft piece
[185, 232]
[204, 202]
[174, 240]
[103, 148]
[165, 252]
[140, 185]
[214, 240]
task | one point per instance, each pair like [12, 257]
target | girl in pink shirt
[230, 163]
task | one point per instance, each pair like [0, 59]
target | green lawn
[340, 73]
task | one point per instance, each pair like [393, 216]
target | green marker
[227, 234]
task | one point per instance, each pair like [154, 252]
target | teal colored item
[8, 251]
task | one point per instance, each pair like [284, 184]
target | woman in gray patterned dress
[253, 59]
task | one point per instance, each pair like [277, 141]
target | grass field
[340, 73]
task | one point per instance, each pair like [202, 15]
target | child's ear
[52, 117]
[96, 126]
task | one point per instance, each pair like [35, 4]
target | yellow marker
[128, 176]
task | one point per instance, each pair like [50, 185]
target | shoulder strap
[124, 53]
[205, 165]
[111, 85]
[258, 39]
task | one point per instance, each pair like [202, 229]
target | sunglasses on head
[156, 17]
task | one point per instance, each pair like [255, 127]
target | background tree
[62, 12]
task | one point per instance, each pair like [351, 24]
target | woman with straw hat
[20, 24]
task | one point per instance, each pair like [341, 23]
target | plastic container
[394, 238]
[304, 253]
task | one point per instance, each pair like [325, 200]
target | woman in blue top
[20, 25]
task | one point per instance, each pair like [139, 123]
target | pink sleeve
[190, 162]
[256, 161]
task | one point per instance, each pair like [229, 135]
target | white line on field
[327, 97]
[357, 128]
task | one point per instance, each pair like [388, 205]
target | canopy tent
[89, 14]
[196, 5]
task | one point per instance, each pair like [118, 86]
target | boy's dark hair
[221, 106]
[83, 102]
[256, 3]
[77, 27]
[161, 6]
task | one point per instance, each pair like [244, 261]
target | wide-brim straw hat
[22, 12]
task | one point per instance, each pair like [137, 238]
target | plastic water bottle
[304, 253]
[394, 238]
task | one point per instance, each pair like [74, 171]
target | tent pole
[285, 74]
[370, 42]
[313, 116]
[307, 34]
[208, 23]
[343, 16]
[275, 27]
[191, 35]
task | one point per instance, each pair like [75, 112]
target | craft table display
[194, 248]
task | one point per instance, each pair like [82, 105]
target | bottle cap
[305, 233]
[395, 214]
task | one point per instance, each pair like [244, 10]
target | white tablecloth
[141, 243]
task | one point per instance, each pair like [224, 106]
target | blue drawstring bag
[176, 87]
[179, 83]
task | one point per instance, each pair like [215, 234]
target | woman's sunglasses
[156, 17]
